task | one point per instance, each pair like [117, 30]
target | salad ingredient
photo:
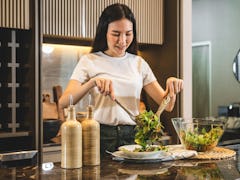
[199, 139]
[150, 148]
[149, 130]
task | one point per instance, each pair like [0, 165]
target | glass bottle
[91, 139]
[71, 134]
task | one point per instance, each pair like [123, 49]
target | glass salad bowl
[199, 134]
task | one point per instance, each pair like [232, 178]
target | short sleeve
[80, 72]
[147, 73]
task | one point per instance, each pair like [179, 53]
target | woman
[114, 71]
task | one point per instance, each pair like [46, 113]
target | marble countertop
[110, 169]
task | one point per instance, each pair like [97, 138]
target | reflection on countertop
[109, 169]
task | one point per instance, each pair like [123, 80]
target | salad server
[163, 105]
[161, 108]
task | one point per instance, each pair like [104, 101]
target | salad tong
[163, 105]
[132, 116]
[161, 108]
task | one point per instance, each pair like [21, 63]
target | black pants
[114, 136]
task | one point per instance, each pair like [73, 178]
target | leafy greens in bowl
[149, 129]
[200, 135]
[147, 138]
[135, 151]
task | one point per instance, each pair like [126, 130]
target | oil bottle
[91, 139]
[71, 134]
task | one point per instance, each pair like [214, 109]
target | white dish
[175, 152]
[128, 152]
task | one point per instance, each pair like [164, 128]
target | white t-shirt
[128, 74]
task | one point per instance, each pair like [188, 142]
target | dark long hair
[112, 13]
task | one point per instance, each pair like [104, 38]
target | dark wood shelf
[13, 134]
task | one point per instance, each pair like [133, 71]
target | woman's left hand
[174, 86]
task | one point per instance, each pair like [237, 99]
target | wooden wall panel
[14, 14]
[149, 17]
[79, 18]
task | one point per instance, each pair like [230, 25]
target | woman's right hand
[105, 87]
[78, 90]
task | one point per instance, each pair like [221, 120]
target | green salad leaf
[200, 139]
[149, 129]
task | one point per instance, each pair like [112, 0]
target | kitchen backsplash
[58, 62]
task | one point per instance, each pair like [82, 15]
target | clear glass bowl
[199, 134]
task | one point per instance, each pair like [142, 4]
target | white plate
[175, 152]
[128, 151]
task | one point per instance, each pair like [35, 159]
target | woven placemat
[216, 153]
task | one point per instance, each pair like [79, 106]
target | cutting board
[49, 109]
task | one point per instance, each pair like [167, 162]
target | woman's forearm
[157, 93]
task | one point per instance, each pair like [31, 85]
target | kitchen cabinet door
[19, 80]
[15, 14]
[79, 18]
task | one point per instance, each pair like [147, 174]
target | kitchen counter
[109, 169]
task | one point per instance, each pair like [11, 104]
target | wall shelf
[13, 134]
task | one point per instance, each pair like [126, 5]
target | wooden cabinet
[79, 18]
[15, 14]
[19, 77]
